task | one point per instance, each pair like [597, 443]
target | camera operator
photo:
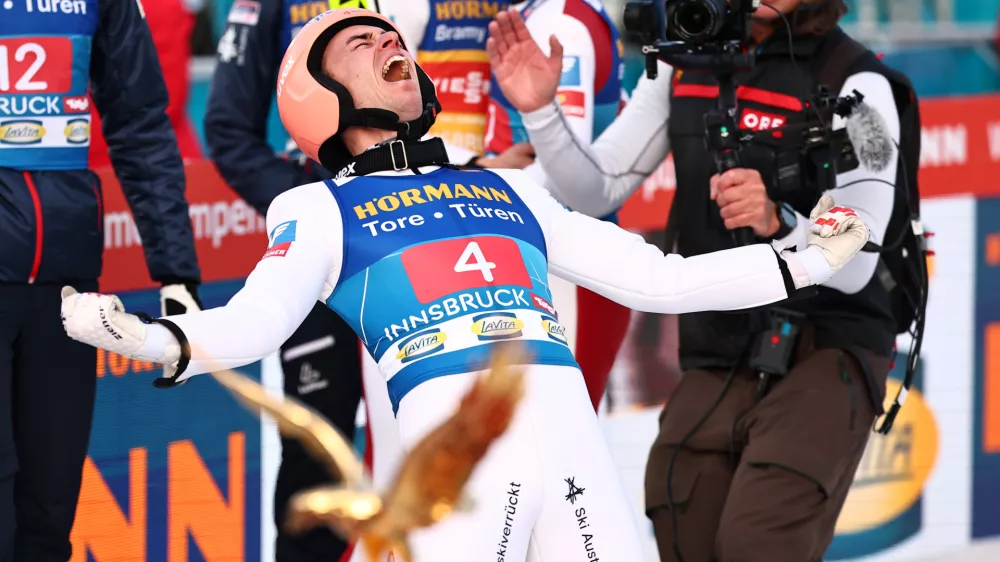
[745, 467]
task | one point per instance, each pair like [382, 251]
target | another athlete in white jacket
[433, 267]
[590, 93]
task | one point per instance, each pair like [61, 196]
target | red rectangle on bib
[438, 269]
[36, 65]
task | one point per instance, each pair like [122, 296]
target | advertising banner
[986, 461]
[172, 474]
[229, 235]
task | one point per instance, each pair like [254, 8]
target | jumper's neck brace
[396, 156]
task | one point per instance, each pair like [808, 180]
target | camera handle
[723, 60]
[723, 141]
[771, 353]
[777, 330]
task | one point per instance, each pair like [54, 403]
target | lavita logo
[420, 345]
[21, 132]
[77, 131]
[497, 326]
[553, 329]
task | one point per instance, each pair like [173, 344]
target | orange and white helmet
[315, 108]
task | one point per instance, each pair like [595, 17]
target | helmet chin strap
[389, 121]
[416, 129]
[333, 153]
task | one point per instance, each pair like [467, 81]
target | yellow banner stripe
[460, 55]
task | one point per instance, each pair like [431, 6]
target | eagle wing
[295, 420]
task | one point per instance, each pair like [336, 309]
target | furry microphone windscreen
[870, 136]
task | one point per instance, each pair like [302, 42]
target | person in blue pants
[52, 232]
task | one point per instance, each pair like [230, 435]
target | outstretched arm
[594, 179]
[621, 266]
[580, 57]
[303, 252]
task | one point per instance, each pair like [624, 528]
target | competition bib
[453, 54]
[45, 49]
[437, 268]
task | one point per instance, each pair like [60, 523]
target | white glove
[838, 232]
[835, 235]
[101, 321]
[177, 299]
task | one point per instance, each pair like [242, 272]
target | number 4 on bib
[446, 267]
[474, 252]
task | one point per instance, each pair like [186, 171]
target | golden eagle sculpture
[429, 483]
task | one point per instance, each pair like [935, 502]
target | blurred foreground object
[431, 478]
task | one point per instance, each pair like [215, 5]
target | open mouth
[395, 69]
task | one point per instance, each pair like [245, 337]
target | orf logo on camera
[756, 120]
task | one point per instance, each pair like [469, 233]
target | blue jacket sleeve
[130, 95]
[237, 115]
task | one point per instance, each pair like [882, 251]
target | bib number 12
[472, 259]
[26, 83]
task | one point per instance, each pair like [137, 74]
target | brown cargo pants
[762, 480]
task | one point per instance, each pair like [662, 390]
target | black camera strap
[836, 66]
[837, 63]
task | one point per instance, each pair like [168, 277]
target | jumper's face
[375, 68]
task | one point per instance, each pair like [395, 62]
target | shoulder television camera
[690, 21]
[693, 34]
[712, 36]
